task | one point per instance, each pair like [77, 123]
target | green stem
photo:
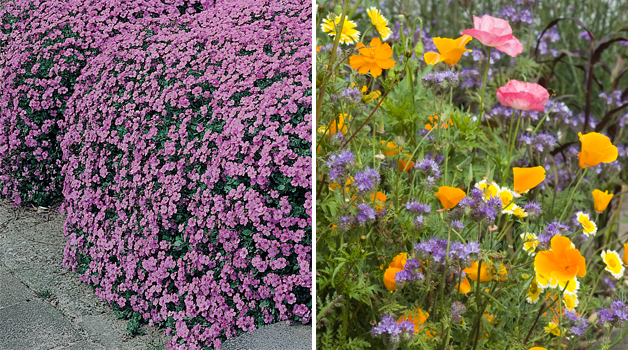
[571, 195]
[488, 63]
[332, 59]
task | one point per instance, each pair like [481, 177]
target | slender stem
[332, 59]
[571, 195]
[488, 63]
[538, 315]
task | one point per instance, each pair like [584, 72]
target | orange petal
[527, 178]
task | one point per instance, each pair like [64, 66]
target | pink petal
[511, 47]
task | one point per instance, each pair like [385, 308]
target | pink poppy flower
[523, 96]
[495, 32]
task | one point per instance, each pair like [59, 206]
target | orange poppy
[399, 261]
[625, 257]
[527, 178]
[372, 59]
[339, 125]
[450, 50]
[389, 278]
[417, 317]
[403, 165]
[601, 200]
[449, 196]
[472, 271]
[391, 148]
[378, 197]
[464, 286]
[562, 262]
[596, 149]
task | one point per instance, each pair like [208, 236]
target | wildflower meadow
[470, 165]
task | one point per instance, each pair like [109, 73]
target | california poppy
[601, 200]
[625, 258]
[450, 50]
[372, 59]
[449, 196]
[417, 317]
[338, 125]
[391, 148]
[404, 165]
[527, 178]
[399, 261]
[562, 262]
[596, 149]
[472, 272]
[389, 278]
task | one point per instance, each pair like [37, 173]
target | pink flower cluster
[184, 142]
[44, 44]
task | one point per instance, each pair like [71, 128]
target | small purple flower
[411, 272]
[340, 164]
[605, 316]
[457, 225]
[533, 209]
[429, 167]
[584, 34]
[352, 95]
[365, 213]
[418, 208]
[345, 222]
[457, 309]
[366, 180]
[418, 222]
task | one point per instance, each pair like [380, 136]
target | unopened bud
[418, 49]
[363, 237]
[408, 53]
[338, 9]
[401, 18]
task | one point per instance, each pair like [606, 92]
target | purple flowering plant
[443, 203]
[182, 148]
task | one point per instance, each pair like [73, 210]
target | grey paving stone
[278, 336]
[35, 325]
[12, 290]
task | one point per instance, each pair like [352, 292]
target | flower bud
[408, 53]
[418, 49]
[338, 9]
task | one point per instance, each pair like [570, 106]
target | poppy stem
[571, 195]
[488, 63]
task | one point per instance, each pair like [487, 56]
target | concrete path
[45, 307]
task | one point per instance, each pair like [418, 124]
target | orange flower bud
[601, 200]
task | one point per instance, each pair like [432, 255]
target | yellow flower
[570, 301]
[334, 186]
[530, 242]
[490, 190]
[348, 33]
[372, 59]
[533, 292]
[506, 196]
[379, 22]
[527, 178]
[515, 210]
[552, 328]
[372, 96]
[449, 196]
[588, 226]
[450, 50]
[613, 263]
[596, 149]
[537, 348]
[571, 287]
[601, 200]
